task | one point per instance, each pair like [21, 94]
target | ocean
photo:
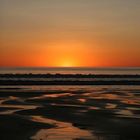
[69, 76]
[70, 70]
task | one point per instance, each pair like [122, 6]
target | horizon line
[60, 67]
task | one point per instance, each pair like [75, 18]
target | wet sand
[15, 127]
[70, 113]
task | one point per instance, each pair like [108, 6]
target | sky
[75, 33]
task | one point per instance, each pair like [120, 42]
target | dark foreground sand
[70, 113]
[14, 127]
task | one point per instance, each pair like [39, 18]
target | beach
[70, 112]
[69, 70]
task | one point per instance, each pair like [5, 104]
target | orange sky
[70, 33]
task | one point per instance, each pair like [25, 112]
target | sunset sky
[76, 33]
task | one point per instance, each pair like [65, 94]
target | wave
[68, 79]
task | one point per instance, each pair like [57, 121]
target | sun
[66, 63]
[69, 54]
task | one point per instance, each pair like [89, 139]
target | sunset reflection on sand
[75, 112]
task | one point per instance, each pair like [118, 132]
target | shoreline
[68, 79]
[26, 82]
[57, 75]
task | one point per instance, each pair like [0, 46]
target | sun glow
[66, 54]
[67, 63]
